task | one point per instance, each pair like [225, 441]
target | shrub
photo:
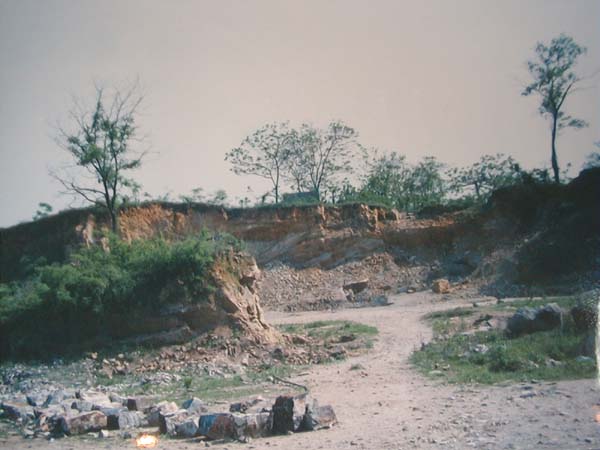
[65, 305]
[503, 360]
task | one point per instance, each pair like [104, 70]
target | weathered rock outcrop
[301, 236]
[234, 305]
[527, 234]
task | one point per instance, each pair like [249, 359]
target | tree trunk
[554, 158]
[277, 187]
[113, 220]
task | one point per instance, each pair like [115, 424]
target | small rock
[553, 363]
[441, 286]
[480, 348]
[126, 435]
[529, 394]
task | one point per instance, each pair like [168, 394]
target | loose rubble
[367, 282]
[252, 418]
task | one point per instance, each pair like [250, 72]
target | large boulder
[252, 425]
[163, 408]
[521, 321]
[57, 397]
[37, 398]
[17, 411]
[188, 428]
[318, 417]
[112, 415]
[288, 413]
[96, 398]
[82, 423]
[218, 426]
[530, 320]
[356, 286]
[180, 423]
[548, 317]
[140, 403]
[131, 419]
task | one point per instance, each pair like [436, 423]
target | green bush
[501, 359]
[62, 306]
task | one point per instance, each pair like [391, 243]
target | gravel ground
[387, 405]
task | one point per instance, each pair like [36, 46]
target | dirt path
[387, 405]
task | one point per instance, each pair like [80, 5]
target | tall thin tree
[101, 145]
[553, 80]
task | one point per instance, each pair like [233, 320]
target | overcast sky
[438, 78]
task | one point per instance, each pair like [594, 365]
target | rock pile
[357, 283]
[68, 413]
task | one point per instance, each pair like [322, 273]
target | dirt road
[387, 405]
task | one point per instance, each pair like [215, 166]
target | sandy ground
[387, 405]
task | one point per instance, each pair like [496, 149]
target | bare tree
[553, 80]
[321, 155]
[101, 148]
[264, 154]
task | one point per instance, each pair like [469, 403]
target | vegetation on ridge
[68, 303]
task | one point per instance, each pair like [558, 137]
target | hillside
[536, 236]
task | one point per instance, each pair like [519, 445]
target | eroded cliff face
[308, 236]
[234, 306]
[514, 227]
[311, 236]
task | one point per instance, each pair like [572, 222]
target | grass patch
[450, 313]
[330, 330]
[565, 302]
[208, 388]
[443, 328]
[490, 357]
[350, 338]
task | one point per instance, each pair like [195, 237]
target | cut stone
[288, 413]
[82, 423]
